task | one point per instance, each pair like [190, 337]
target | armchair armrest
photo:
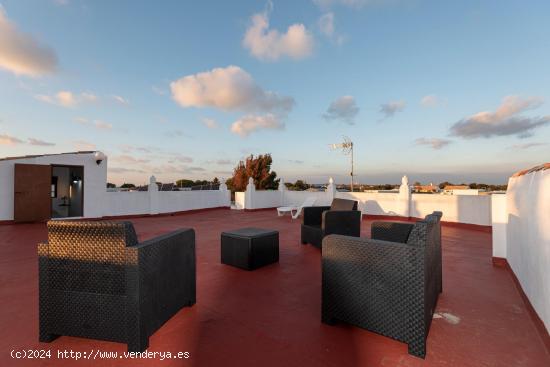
[313, 214]
[391, 231]
[344, 222]
[161, 275]
[166, 259]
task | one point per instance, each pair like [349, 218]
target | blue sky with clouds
[436, 90]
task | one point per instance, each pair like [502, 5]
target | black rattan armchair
[390, 288]
[96, 281]
[342, 217]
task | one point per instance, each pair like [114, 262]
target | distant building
[427, 189]
[460, 190]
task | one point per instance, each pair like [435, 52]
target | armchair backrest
[101, 241]
[89, 256]
[343, 204]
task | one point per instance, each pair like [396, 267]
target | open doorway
[67, 191]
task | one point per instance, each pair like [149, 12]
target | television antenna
[346, 146]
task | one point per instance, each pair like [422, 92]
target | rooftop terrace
[272, 316]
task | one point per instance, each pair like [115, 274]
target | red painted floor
[271, 317]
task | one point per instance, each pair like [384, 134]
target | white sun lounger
[295, 210]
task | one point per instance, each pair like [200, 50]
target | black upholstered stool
[250, 248]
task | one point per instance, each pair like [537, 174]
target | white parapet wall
[461, 209]
[177, 201]
[296, 198]
[121, 203]
[154, 201]
[499, 216]
[379, 203]
[528, 236]
[456, 208]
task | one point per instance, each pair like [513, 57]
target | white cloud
[504, 121]
[435, 143]
[176, 134]
[233, 89]
[391, 108]
[157, 90]
[326, 24]
[179, 158]
[344, 109]
[21, 54]
[9, 140]
[229, 88]
[327, 27]
[98, 124]
[251, 123]
[121, 100]
[125, 170]
[128, 159]
[84, 145]
[325, 4]
[431, 100]
[133, 148]
[61, 2]
[42, 143]
[88, 97]
[528, 145]
[223, 162]
[269, 44]
[102, 125]
[81, 120]
[66, 98]
[210, 123]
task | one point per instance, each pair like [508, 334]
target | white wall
[126, 203]
[499, 215]
[455, 208]
[239, 200]
[176, 201]
[298, 197]
[95, 178]
[463, 209]
[528, 237]
[464, 192]
[145, 202]
[378, 203]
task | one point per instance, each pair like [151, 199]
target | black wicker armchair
[96, 281]
[342, 217]
[390, 288]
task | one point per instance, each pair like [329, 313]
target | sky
[436, 90]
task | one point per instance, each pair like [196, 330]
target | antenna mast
[347, 148]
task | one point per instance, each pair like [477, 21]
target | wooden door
[32, 199]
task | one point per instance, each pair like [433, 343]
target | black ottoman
[250, 248]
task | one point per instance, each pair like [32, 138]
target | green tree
[443, 184]
[259, 169]
[110, 185]
[200, 183]
[215, 181]
[299, 185]
[127, 186]
[184, 183]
